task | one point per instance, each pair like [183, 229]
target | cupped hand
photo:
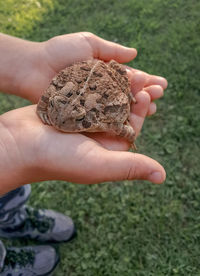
[39, 152]
[61, 51]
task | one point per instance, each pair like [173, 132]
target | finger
[150, 79]
[137, 81]
[117, 165]
[156, 80]
[155, 91]
[152, 109]
[106, 50]
[139, 111]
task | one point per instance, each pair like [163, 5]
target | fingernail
[156, 177]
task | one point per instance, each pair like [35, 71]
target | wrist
[16, 166]
[20, 63]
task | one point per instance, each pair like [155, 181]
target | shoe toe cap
[63, 229]
[46, 260]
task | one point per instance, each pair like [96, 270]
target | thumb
[117, 165]
[107, 50]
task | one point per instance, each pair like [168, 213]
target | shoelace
[21, 258]
[41, 223]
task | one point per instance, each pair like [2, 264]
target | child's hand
[31, 151]
[51, 56]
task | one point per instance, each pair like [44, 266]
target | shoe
[42, 225]
[28, 261]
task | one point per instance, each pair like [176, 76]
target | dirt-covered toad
[89, 96]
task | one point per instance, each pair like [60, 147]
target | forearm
[18, 57]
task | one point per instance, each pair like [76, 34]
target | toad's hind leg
[42, 109]
[42, 106]
[125, 131]
[44, 117]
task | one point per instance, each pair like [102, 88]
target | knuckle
[88, 35]
[131, 171]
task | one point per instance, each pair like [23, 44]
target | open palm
[44, 153]
[49, 154]
[61, 51]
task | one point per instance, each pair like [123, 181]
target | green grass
[131, 228]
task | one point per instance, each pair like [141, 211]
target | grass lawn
[130, 228]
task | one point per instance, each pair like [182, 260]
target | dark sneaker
[28, 261]
[42, 225]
